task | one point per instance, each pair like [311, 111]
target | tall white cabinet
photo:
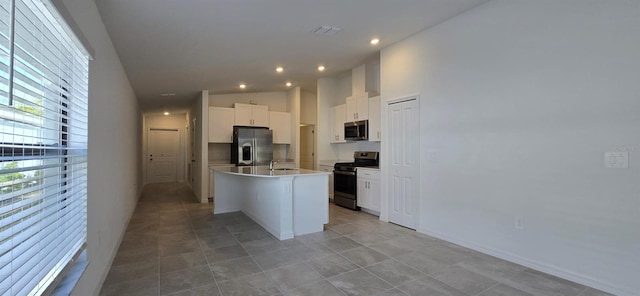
[374, 119]
[221, 124]
[338, 119]
[251, 115]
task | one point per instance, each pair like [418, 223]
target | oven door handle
[344, 173]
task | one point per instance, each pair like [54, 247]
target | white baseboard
[223, 210]
[540, 266]
[372, 212]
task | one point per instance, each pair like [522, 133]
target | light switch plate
[616, 160]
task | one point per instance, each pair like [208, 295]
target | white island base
[285, 203]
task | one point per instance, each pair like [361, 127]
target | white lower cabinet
[369, 189]
[329, 169]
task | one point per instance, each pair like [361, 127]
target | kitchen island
[285, 202]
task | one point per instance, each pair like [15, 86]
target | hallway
[175, 246]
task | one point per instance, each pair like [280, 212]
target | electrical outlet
[616, 160]
[518, 222]
[432, 155]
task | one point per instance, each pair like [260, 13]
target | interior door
[404, 146]
[163, 148]
[307, 155]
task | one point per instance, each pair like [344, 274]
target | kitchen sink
[285, 169]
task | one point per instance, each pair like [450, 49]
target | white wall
[293, 101]
[308, 106]
[519, 102]
[172, 121]
[327, 96]
[200, 112]
[115, 133]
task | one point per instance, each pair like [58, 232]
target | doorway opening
[307, 146]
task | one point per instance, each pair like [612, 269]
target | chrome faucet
[272, 164]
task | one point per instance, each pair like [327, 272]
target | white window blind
[43, 146]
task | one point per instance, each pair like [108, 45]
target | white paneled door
[163, 147]
[404, 147]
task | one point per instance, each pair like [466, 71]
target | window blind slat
[43, 146]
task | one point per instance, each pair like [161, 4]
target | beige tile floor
[175, 246]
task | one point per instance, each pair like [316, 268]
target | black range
[345, 178]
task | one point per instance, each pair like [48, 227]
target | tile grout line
[202, 252]
[392, 286]
[256, 263]
[489, 288]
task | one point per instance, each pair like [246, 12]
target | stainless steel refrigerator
[251, 146]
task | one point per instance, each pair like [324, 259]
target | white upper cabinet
[358, 107]
[374, 119]
[221, 124]
[251, 115]
[280, 124]
[338, 118]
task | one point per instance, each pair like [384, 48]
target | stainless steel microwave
[356, 130]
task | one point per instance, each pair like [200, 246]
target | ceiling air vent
[326, 30]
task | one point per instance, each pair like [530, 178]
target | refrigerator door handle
[255, 152]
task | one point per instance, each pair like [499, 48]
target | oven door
[344, 184]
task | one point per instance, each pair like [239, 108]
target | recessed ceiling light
[279, 69]
[168, 95]
[375, 41]
[320, 68]
[242, 85]
[288, 84]
[166, 113]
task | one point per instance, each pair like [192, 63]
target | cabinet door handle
[378, 135]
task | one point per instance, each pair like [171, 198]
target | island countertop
[263, 171]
